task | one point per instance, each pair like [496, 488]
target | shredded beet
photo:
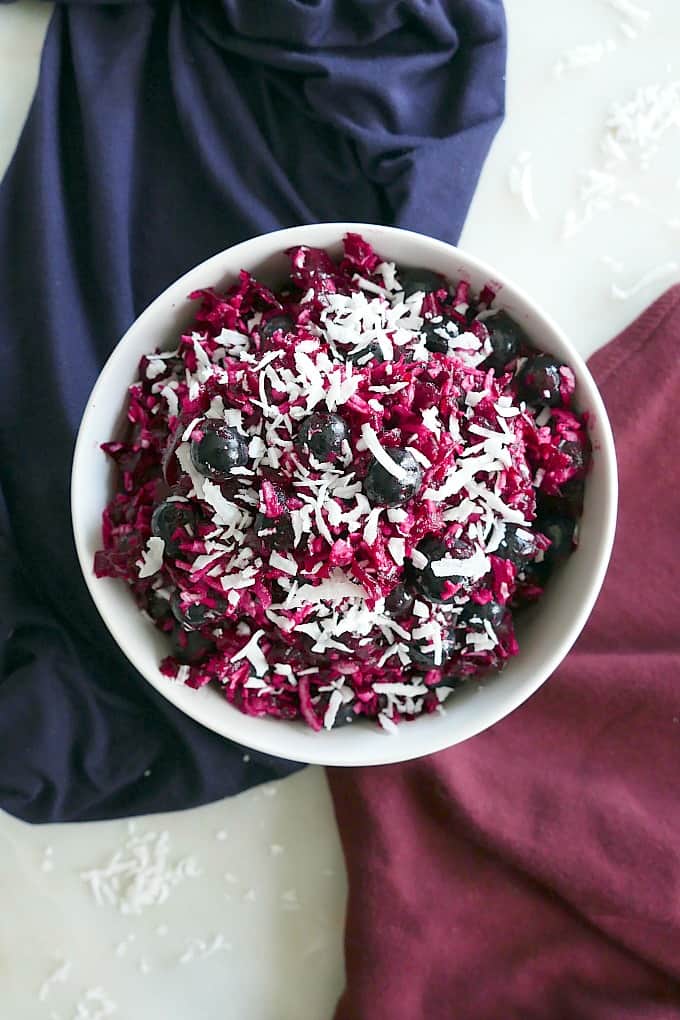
[334, 499]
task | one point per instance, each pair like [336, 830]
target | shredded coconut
[152, 557]
[202, 948]
[140, 874]
[59, 975]
[95, 1004]
[582, 56]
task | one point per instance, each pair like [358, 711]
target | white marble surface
[271, 878]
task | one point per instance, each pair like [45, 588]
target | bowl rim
[320, 751]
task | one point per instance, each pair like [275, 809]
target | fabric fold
[159, 135]
[531, 872]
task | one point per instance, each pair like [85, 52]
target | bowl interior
[545, 635]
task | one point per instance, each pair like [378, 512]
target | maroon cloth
[533, 872]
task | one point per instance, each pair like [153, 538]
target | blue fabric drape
[160, 134]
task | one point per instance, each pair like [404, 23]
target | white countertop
[260, 928]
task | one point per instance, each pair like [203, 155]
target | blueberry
[413, 279]
[560, 531]
[277, 322]
[322, 435]
[167, 518]
[219, 451]
[399, 602]
[473, 615]
[191, 617]
[572, 493]
[506, 338]
[425, 580]
[157, 608]
[382, 488]
[538, 380]
[518, 545]
[575, 452]
[345, 716]
[432, 330]
[365, 356]
[274, 532]
[426, 659]
[190, 647]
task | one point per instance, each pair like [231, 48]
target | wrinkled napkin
[533, 872]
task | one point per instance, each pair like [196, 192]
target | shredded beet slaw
[335, 498]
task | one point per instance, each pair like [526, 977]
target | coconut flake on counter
[140, 874]
[633, 133]
[59, 975]
[94, 1004]
[629, 9]
[520, 179]
[583, 55]
[651, 276]
[639, 124]
[202, 948]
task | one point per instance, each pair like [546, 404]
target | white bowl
[548, 633]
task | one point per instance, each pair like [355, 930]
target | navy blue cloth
[160, 134]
